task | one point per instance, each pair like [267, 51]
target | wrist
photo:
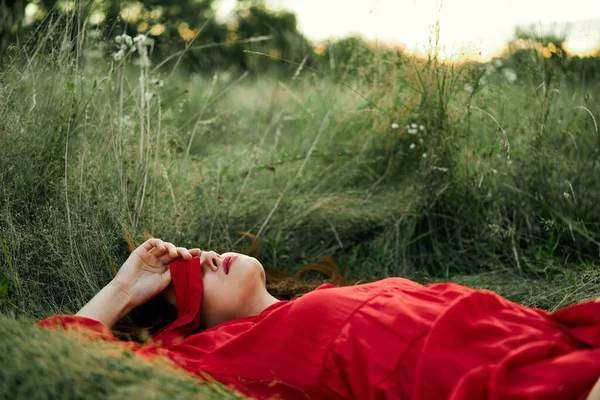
[121, 294]
[108, 306]
[122, 297]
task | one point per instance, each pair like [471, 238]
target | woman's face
[232, 295]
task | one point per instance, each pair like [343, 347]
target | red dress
[393, 338]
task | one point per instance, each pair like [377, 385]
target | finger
[174, 253]
[172, 250]
[156, 252]
[152, 243]
[159, 250]
[195, 252]
[152, 248]
[183, 252]
[168, 254]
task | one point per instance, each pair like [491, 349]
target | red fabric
[89, 328]
[187, 279]
[392, 339]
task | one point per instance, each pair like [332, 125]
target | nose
[211, 260]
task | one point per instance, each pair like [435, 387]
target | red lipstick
[227, 263]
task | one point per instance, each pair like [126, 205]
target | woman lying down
[393, 338]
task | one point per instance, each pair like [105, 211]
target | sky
[474, 28]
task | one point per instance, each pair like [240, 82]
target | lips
[227, 262]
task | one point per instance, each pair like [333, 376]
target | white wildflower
[498, 63]
[510, 75]
[483, 81]
[421, 128]
[148, 96]
[158, 82]
[139, 37]
[133, 49]
[490, 69]
[421, 140]
[124, 39]
[424, 155]
[414, 126]
[118, 56]
[395, 126]
[468, 88]
[412, 146]
[567, 195]
[412, 131]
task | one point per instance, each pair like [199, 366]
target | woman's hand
[146, 273]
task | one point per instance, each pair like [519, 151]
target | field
[487, 175]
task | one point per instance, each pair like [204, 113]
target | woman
[392, 338]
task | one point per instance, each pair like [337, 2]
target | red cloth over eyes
[392, 338]
[186, 276]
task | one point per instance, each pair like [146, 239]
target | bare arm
[108, 306]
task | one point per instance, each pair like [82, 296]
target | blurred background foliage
[211, 45]
[173, 26]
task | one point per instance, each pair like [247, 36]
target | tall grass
[500, 176]
[402, 166]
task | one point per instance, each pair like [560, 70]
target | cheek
[223, 296]
[229, 296]
[212, 291]
[247, 277]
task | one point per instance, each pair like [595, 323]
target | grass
[51, 365]
[498, 190]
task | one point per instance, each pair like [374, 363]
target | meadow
[482, 174]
